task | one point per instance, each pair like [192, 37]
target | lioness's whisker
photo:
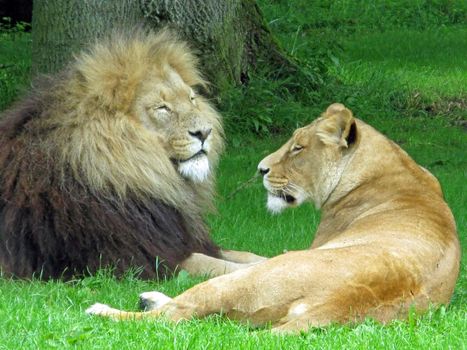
[242, 186]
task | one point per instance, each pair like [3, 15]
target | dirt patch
[455, 109]
[451, 106]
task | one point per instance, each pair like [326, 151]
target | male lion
[387, 240]
[111, 163]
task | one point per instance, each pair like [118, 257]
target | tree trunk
[63, 27]
[230, 36]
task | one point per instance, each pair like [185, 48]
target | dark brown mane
[55, 226]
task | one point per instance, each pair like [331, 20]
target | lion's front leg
[241, 257]
[201, 264]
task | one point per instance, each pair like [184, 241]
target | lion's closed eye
[296, 149]
[163, 108]
[159, 108]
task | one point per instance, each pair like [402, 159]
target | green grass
[50, 314]
[399, 65]
[427, 66]
[54, 319]
[15, 63]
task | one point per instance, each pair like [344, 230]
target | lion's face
[131, 122]
[309, 165]
[187, 126]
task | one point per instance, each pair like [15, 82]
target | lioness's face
[290, 171]
[188, 127]
[308, 165]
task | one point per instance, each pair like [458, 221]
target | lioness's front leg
[203, 299]
[298, 290]
[242, 295]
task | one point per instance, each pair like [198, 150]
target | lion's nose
[263, 171]
[201, 135]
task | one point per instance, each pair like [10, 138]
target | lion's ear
[338, 126]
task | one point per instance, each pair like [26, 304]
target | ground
[404, 73]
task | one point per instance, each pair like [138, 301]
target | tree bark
[63, 27]
[230, 37]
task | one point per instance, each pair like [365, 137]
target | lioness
[387, 240]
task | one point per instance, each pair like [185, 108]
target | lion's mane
[83, 185]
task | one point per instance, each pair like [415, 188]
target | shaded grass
[386, 59]
[15, 65]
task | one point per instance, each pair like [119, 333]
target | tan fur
[386, 242]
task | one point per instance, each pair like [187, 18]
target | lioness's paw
[152, 300]
[99, 309]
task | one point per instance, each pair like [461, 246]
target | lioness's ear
[335, 108]
[338, 126]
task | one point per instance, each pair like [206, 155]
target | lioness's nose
[263, 171]
[201, 135]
